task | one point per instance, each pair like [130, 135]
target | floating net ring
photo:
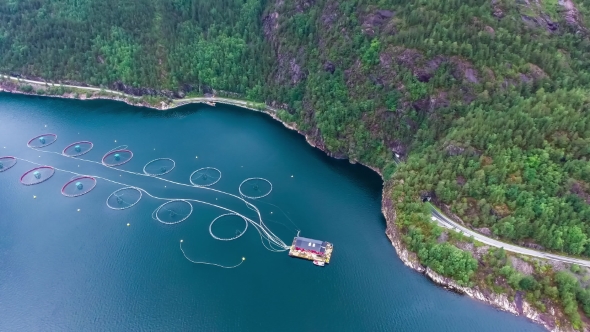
[6, 163]
[255, 188]
[205, 177]
[78, 186]
[124, 198]
[117, 157]
[238, 234]
[37, 175]
[173, 212]
[77, 149]
[42, 141]
[159, 167]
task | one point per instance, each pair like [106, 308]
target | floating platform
[317, 251]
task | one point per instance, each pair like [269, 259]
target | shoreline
[410, 259]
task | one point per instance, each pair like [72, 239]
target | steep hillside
[486, 102]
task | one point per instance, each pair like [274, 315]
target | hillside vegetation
[486, 101]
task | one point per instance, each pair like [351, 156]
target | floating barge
[317, 251]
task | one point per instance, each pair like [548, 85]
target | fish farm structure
[317, 251]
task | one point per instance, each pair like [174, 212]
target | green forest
[484, 102]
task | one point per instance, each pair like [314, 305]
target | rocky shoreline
[517, 307]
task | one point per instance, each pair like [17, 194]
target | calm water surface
[64, 270]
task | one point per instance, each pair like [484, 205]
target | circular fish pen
[77, 149]
[173, 212]
[159, 167]
[205, 177]
[238, 233]
[255, 188]
[124, 198]
[117, 157]
[42, 141]
[78, 186]
[37, 175]
[7, 163]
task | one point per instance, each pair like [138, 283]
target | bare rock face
[329, 67]
[521, 266]
[270, 25]
[571, 15]
[578, 189]
[497, 11]
[374, 21]
[454, 150]
[464, 70]
[543, 20]
[484, 230]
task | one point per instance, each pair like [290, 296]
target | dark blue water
[64, 270]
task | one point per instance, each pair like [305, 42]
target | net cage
[173, 212]
[124, 198]
[117, 157]
[205, 177]
[159, 167]
[233, 232]
[6, 163]
[254, 188]
[77, 149]
[42, 140]
[78, 186]
[37, 175]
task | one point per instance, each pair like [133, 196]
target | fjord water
[69, 270]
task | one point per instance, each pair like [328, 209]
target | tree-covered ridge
[147, 43]
[516, 165]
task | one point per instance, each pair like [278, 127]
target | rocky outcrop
[571, 15]
[375, 21]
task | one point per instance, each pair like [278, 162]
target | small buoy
[34, 197]
[78, 210]
[291, 175]
[270, 212]
[115, 141]
[196, 156]
[243, 258]
[164, 186]
[45, 126]
[127, 224]
[180, 241]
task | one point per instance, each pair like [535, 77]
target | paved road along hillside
[444, 221]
